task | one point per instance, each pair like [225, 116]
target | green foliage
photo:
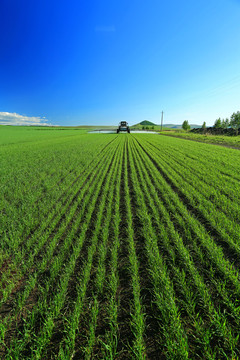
[235, 121]
[222, 123]
[185, 125]
[218, 123]
[225, 123]
[204, 127]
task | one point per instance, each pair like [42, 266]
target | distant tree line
[233, 123]
[221, 126]
[147, 127]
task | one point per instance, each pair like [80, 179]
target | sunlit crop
[118, 247]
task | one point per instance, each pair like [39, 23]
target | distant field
[118, 246]
[155, 127]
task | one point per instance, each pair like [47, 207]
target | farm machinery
[123, 127]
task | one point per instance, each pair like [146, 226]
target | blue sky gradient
[98, 62]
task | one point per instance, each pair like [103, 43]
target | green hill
[146, 122]
[143, 123]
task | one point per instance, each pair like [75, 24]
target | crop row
[135, 257]
[44, 253]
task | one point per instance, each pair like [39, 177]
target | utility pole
[162, 121]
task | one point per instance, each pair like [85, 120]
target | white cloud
[105, 29]
[7, 118]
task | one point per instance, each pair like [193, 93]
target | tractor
[123, 126]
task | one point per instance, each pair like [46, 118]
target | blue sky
[98, 62]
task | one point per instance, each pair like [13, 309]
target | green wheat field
[117, 246]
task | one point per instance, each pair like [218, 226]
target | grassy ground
[231, 141]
